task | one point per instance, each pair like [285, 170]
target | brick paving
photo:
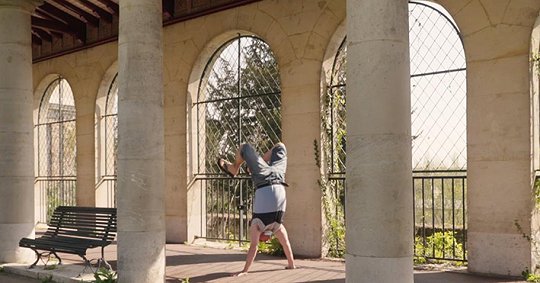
[210, 264]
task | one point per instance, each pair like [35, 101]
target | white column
[379, 190]
[16, 130]
[141, 206]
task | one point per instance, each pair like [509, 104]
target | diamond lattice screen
[56, 131]
[438, 90]
[336, 128]
[239, 101]
[111, 129]
[438, 94]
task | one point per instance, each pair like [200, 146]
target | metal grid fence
[238, 102]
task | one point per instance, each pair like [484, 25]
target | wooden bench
[73, 230]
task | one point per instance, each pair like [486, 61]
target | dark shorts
[268, 221]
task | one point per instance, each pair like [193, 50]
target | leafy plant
[530, 277]
[47, 279]
[438, 245]
[271, 248]
[536, 191]
[2, 269]
[50, 267]
[535, 60]
[185, 280]
[104, 275]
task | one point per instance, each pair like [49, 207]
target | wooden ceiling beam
[111, 5]
[43, 34]
[78, 26]
[51, 25]
[44, 14]
[90, 19]
[36, 39]
[103, 14]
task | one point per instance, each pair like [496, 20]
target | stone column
[140, 200]
[16, 130]
[379, 191]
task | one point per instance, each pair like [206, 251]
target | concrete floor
[211, 264]
[12, 278]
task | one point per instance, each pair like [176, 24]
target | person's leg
[254, 234]
[272, 153]
[283, 237]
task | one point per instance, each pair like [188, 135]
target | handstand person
[268, 176]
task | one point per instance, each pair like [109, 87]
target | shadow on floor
[173, 260]
[453, 277]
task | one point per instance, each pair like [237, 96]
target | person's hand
[238, 274]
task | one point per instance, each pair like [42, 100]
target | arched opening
[439, 149]
[56, 149]
[238, 101]
[107, 144]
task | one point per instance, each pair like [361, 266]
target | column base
[10, 235]
[141, 257]
[498, 254]
[376, 269]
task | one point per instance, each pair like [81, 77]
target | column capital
[28, 5]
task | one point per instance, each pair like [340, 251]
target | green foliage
[47, 279]
[185, 280]
[438, 245]
[2, 269]
[50, 267]
[530, 277]
[535, 60]
[271, 248]
[104, 275]
[536, 191]
[334, 234]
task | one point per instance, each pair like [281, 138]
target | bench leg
[87, 265]
[59, 259]
[38, 257]
[103, 261]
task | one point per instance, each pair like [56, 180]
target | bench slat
[76, 229]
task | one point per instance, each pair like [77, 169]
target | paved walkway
[12, 278]
[206, 264]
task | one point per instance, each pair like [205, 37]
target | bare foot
[238, 274]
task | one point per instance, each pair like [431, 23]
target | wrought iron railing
[108, 185]
[440, 226]
[226, 207]
[439, 203]
[53, 192]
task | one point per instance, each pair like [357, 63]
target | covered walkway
[211, 264]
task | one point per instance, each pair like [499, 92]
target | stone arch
[105, 181]
[258, 101]
[55, 143]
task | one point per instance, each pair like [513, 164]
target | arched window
[239, 101]
[56, 138]
[108, 147]
[438, 90]
[334, 149]
[336, 126]
[439, 142]
[438, 117]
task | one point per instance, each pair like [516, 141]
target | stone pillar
[16, 130]
[379, 193]
[140, 200]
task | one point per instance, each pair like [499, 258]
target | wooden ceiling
[63, 26]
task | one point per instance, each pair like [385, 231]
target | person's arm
[252, 252]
